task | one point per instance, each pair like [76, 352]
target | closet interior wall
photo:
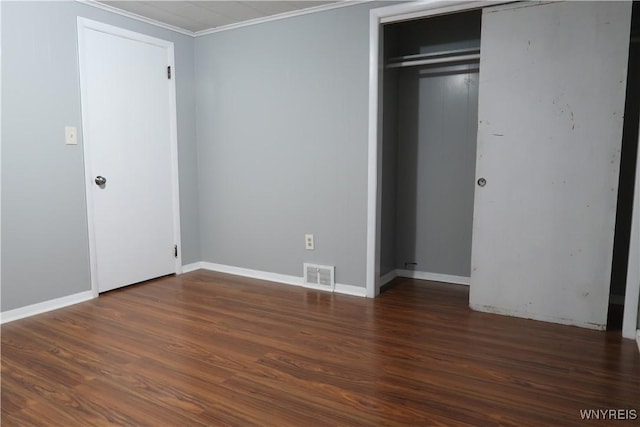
[430, 114]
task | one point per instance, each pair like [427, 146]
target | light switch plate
[71, 134]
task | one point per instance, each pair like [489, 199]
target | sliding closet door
[551, 100]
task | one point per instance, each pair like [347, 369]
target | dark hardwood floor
[212, 349]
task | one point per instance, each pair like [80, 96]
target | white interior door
[128, 111]
[551, 104]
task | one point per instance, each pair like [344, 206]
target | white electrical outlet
[71, 135]
[308, 242]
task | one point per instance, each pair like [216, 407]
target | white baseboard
[340, 288]
[356, 291]
[638, 338]
[388, 277]
[254, 274]
[274, 277]
[43, 307]
[435, 277]
[54, 304]
[191, 267]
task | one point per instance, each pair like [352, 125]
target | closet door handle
[482, 182]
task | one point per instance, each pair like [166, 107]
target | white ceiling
[194, 16]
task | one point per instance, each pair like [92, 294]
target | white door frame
[378, 17]
[87, 24]
[630, 327]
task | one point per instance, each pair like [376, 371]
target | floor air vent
[319, 276]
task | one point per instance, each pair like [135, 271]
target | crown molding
[293, 13]
[300, 12]
[94, 3]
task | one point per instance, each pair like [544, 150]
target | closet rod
[458, 58]
[434, 54]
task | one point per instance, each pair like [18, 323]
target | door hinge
[169, 72]
[175, 251]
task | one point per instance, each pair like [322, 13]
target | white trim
[93, 268]
[356, 291]
[254, 274]
[135, 16]
[175, 174]
[423, 275]
[84, 24]
[374, 156]
[188, 268]
[0, 151]
[393, 274]
[43, 307]
[535, 316]
[415, 10]
[377, 17]
[638, 338]
[434, 277]
[632, 292]
[284, 15]
[275, 277]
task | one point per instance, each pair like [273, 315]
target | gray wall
[434, 112]
[44, 224]
[282, 143]
[436, 168]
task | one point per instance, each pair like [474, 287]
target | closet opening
[429, 87]
[626, 182]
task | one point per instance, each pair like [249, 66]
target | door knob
[482, 182]
[100, 180]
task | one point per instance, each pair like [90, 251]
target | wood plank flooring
[209, 349]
